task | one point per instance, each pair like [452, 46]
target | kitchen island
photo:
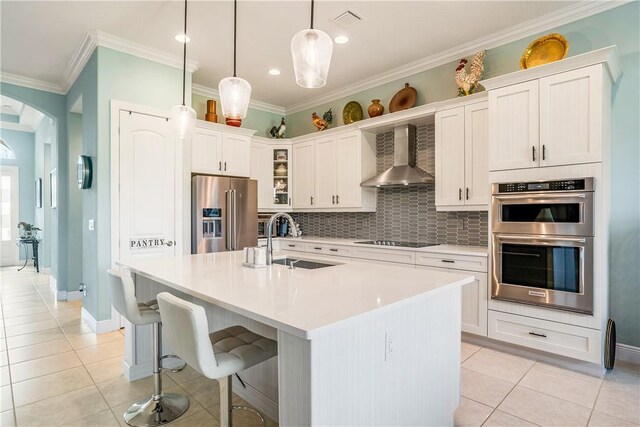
[358, 343]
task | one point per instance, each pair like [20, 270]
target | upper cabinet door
[236, 155]
[304, 161]
[261, 172]
[571, 117]
[326, 170]
[477, 190]
[514, 127]
[349, 170]
[206, 151]
[450, 157]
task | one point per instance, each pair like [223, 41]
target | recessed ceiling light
[341, 39]
[182, 38]
[274, 72]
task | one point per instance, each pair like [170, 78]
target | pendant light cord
[184, 55]
[312, 14]
[235, 13]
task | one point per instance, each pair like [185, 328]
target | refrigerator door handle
[228, 231]
[235, 219]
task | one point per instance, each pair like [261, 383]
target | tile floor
[55, 371]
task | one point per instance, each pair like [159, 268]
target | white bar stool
[161, 408]
[218, 355]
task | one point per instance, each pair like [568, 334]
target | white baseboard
[136, 372]
[628, 353]
[74, 295]
[53, 283]
[102, 326]
[258, 400]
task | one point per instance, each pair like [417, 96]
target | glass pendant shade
[311, 52]
[235, 94]
[184, 121]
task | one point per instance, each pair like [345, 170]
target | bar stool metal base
[253, 411]
[150, 412]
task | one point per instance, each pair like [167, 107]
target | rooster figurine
[278, 132]
[321, 124]
[467, 83]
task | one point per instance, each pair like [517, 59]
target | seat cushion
[148, 313]
[236, 348]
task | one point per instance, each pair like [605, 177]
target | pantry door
[147, 182]
[9, 216]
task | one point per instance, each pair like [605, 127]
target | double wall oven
[543, 243]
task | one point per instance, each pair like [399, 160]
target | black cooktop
[395, 243]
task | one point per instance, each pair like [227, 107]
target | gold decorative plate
[549, 48]
[352, 112]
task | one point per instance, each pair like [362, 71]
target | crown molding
[17, 127]
[257, 105]
[564, 16]
[79, 59]
[17, 80]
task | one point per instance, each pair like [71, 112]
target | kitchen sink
[307, 264]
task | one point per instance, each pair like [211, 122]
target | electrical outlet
[91, 225]
[389, 346]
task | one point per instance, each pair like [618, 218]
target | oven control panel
[522, 187]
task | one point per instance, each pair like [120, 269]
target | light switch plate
[91, 225]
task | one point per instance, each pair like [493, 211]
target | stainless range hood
[404, 171]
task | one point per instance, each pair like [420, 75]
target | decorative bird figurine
[468, 82]
[321, 124]
[328, 116]
[278, 132]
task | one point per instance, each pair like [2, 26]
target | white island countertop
[302, 302]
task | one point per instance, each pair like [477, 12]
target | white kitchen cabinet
[304, 167]
[462, 170]
[271, 167]
[326, 172]
[217, 152]
[260, 170]
[474, 295]
[550, 121]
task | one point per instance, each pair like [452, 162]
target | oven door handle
[525, 199]
[519, 238]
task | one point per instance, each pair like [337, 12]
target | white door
[514, 127]
[326, 173]
[450, 157]
[9, 200]
[571, 117]
[147, 186]
[348, 170]
[476, 154]
[303, 158]
[206, 151]
[261, 172]
[235, 154]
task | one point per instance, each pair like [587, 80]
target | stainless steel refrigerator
[224, 214]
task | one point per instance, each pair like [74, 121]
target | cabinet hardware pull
[311, 200]
[333, 200]
[467, 193]
[289, 201]
[459, 193]
[337, 199]
[318, 249]
[537, 335]
[333, 250]
[225, 166]
[448, 261]
[533, 153]
[292, 246]
[220, 166]
[544, 152]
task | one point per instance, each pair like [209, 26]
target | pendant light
[311, 52]
[234, 91]
[183, 116]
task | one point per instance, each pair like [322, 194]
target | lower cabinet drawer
[459, 262]
[404, 257]
[288, 246]
[565, 340]
[325, 249]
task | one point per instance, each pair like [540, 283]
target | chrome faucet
[294, 232]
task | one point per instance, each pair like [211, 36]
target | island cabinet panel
[215, 152]
[304, 169]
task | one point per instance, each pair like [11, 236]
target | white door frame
[14, 171]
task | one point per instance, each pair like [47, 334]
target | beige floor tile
[200, 418]
[620, 397]
[78, 329]
[29, 318]
[5, 378]
[63, 408]
[501, 419]
[101, 419]
[471, 413]
[64, 305]
[467, 350]
[483, 388]
[88, 340]
[26, 297]
[51, 385]
[598, 419]
[204, 390]
[7, 419]
[68, 320]
[9, 313]
[69, 312]
[23, 304]
[101, 352]
[35, 338]
[3, 358]
[44, 366]
[118, 390]
[6, 399]
[105, 369]
[185, 376]
[194, 407]
[578, 388]
[499, 365]
[22, 354]
[542, 409]
[12, 331]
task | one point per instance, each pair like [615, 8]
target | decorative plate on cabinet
[352, 112]
[404, 99]
[550, 48]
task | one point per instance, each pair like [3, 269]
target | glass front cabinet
[271, 167]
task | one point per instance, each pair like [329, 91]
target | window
[5, 206]
[5, 151]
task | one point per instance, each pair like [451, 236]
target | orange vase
[375, 109]
[211, 115]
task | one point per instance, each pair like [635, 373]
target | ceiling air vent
[347, 19]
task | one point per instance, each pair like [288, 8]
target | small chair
[219, 355]
[161, 408]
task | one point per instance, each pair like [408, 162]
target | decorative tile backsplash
[404, 214]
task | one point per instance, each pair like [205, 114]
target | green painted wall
[74, 221]
[9, 118]
[44, 135]
[261, 121]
